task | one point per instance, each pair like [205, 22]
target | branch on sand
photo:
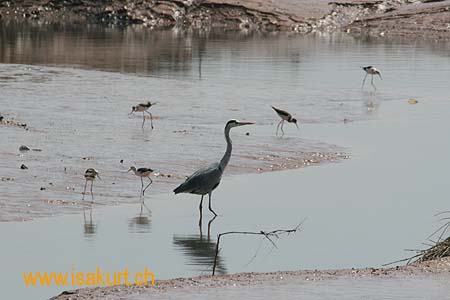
[268, 235]
[438, 246]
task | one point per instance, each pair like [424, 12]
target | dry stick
[267, 235]
[438, 250]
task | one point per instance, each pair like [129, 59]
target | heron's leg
[209, 226]
[209, 206]
[92, 194]
[84, 192]
[142, 187]
[278, 127]
[364, 80]
[371, 81]
[282, 123]
[151, 181]
[200, 208]
[151, 118]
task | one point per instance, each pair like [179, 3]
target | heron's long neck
[226, 157]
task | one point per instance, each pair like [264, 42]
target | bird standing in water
[142, 172]
[205, 180]
[285, 116]
[144, 107]
[370, 70]
[90, 175]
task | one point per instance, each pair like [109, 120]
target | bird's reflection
[371, 103]
[200, 250]
[90, 229]
[142, 222]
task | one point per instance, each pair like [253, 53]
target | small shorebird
[205, 180]
[142, 172]
[285, 116]
[370, 70]
[143, 107]
[90, 175]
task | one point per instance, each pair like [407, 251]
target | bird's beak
[297, 126]
[379, 74]
[99, 176]
[245, 123]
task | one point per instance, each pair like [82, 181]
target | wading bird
[90, 175]
[370, 70]
[205, 180]
[142, 172]
[285, 116]
[143, 107]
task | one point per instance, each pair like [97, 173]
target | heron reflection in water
[200, 250]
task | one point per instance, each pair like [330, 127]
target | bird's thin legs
[151, 181]
[151, 118]
[209, 206]
[142, 187]
[371, 81]
[209, 226]
[84, 192]
[92, 194]
[278, 126]
[143, 119]
[200, 208]
[282, 123]
[364, 80]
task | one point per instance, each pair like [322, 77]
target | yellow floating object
[413, 101]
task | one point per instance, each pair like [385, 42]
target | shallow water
[361, 212]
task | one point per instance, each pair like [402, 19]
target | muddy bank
[246, 279]
[425, 18]
[269, 15]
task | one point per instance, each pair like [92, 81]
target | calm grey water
[75, 86]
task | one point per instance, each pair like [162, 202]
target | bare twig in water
[269, 235]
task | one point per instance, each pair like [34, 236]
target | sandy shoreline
[429, 268]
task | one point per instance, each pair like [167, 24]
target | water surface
[74, 87]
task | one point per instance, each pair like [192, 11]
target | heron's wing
[202, 181]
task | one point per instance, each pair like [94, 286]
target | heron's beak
[245, 123]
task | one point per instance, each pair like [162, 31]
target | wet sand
[207, 286]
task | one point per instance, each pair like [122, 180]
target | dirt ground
[244, 279]
[420, 18]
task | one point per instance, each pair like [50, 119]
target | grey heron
[144, 107]
[285, 116]
[90, 175]
[142, 172]
[205, 180]
[370, 70]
